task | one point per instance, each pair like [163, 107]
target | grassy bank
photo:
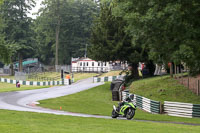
[98, 101]
[6, 87]
[56, 76]
[80, 76]
[50, 76]
[93, 101]
[164, 89]
[111, 73]
[26, 122]
[45, 76]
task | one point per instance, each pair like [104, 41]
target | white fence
[36, 83]
[182, 109]
[106, 79]
[143, 103]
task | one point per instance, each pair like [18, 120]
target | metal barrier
[170, 108]
[182, 109]
[90, 69]
[35, 83]
[144, 103]
[106, 79]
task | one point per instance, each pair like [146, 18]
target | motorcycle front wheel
[114, 114]
[130, 113]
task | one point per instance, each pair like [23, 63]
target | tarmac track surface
[27, 100]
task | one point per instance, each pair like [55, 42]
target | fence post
[161, 108]
[188, 83]
[198, 88]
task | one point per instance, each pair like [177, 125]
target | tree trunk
[150, 65]
[134, 71]
[175, 70]
[171, 70]
[57, 34]
[57, 41]
[11, 69]
[20, 63]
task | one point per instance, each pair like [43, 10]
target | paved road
[27, 100]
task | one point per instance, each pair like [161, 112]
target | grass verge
[111, 73]
[6, 87]
[98, 101]
[162, 89]
[80, 76]
[26, 122]
[45, 76]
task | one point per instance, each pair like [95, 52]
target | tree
[4, 53]
[17, 29]
[168, 28]
[75, 17]
[111, 42]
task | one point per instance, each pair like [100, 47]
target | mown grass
[57, 76]
[45, 76]
[80, 76]
[164, 89]
[99, 101]
[6, 87]
[27, 122]
[111, 73]
[54, 76]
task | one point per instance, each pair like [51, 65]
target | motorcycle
[125, 109]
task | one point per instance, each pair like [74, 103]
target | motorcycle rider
[126, 100]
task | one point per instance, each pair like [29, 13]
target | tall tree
[75, 19]
[17, 29]
[4, 53]
[111, 42]
[169, 28]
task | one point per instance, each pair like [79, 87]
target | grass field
[111, 73]
[26, 122]
[50, 76]
[93, 101]
[56, 76]
[45, 76]
[80, 76]
[98, 101]
[163, 89]
[5, 87]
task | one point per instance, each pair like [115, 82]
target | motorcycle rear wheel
[130, 114]
[114, 114]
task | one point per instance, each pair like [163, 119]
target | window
[87, 63]
[81, 64]
[98, 63]
[92, 63]
[105, 63]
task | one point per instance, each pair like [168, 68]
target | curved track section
[27, 100]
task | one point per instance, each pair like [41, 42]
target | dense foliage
[150, 31]
[74, 19]
[4, 53]
[16, 29]
[167, 31]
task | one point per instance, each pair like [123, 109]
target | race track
[27, 100]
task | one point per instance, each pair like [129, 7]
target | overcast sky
[35, 9]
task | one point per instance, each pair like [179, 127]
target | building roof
[82, 59]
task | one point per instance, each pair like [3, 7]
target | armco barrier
[145, 103]
[106, 79]
[35, 83]
[182, 109]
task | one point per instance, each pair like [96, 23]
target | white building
[89, 65]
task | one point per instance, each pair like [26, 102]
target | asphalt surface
[27, 100]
